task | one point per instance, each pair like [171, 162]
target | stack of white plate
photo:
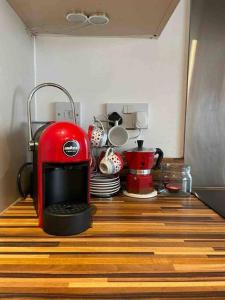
[104, 185]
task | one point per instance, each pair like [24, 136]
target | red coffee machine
[61, 170]
[139, 183]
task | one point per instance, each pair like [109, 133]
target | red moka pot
[61, 168]
[142, 158]
[140, 162]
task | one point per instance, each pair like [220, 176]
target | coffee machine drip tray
[66, 218]
[66, 208]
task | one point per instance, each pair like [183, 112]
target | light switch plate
[63, 112]
[128, 111]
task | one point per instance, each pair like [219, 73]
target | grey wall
[16, 79]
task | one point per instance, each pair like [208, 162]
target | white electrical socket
[134, 114]
[63, 112]
[141, 120]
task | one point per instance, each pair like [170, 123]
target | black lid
[140, 148]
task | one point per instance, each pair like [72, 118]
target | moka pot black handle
[160, 154]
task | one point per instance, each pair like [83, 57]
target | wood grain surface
[166, 248]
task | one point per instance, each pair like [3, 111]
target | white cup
[118, 135]
[106, 166]
[97, 135]
[111, 163]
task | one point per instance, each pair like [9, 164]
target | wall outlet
[63, 112]
[135, 115]
[141, 120]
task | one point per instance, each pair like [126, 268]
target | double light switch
[135, 115]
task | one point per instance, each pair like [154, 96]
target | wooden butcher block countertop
[166, 248]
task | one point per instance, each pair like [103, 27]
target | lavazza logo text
[71, 148]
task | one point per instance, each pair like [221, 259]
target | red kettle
[141, 158]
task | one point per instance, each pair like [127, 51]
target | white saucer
[106, 191]
[105, 183]
[102, 187]
[103, 178]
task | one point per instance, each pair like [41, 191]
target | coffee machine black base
[66, 218]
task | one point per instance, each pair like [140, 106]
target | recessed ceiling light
[77, 17]
[98, 19]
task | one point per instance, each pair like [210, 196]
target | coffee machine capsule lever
[32, 93]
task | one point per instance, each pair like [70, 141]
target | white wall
[101, 70]
[16, 79]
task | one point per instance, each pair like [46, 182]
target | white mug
[118, 135]
[97, 135]
[111, 163]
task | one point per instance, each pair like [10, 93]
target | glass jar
[176, 178]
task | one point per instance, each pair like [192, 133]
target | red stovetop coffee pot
[140, 162]
[143, 159]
